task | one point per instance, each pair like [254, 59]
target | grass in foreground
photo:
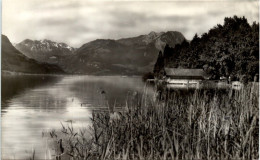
[199, 125]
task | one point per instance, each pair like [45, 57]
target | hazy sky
[76, 22]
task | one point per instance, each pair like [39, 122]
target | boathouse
[184, 77]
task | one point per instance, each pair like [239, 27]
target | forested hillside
[231, 49]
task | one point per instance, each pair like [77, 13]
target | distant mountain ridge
[134, 55]
[44, 50]
[158, 38]
[14, 61]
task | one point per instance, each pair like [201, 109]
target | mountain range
[127, 56]
[15, 61]
[44, 50]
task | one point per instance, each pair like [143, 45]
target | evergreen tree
[159, 65]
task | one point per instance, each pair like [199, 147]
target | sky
[77, 22]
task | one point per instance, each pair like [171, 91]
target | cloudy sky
[76, 22]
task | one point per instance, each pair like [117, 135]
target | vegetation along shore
[195, 124]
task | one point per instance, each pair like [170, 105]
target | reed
[203, 124]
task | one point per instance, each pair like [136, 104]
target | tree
[229, 49]
[159, 65]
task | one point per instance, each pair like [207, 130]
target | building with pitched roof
[184, 77]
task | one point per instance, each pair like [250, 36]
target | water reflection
[41, 104]
[12, 85]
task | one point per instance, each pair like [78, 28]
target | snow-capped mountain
[15, 61]
[44, 50]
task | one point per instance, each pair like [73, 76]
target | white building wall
[182, 83]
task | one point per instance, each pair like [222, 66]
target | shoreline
[7, 73]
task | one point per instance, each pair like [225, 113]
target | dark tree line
[226, 50]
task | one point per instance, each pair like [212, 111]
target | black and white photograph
[129, 80]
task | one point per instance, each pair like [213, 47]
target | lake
[32, 104]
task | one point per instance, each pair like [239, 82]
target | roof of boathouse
[185, 72]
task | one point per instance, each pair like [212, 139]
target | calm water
[32, 104]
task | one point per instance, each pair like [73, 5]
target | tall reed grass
[199, 124]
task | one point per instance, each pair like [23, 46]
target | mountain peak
[152, 33]
[14, 60]
[44, 50]
[155, 34]
[27, 41]
[47, 41]
[151, 37]
[43, 44]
